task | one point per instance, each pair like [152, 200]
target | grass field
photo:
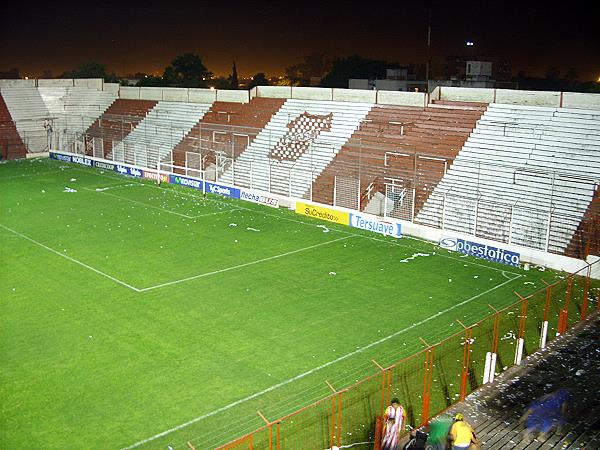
[140, 316]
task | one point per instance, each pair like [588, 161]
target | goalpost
[166, 169]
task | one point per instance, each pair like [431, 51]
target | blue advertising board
[60, 157]
[479, 250]
[185, 181]
[131, 171]
[372, 223]
[219, 189]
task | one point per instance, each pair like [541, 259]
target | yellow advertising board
[320, 212]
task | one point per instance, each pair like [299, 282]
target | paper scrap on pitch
[414, 256]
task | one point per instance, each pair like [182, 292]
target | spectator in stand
[462, 434]
[392, 426]
[545, 413]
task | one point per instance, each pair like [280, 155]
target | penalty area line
[140, 203]
[56, 252]
[239, 266]
[316, 369]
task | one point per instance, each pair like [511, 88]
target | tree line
[188, 71]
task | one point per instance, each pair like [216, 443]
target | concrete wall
[198, 95]
[354, 95]
[233, 96]
[113, 88]
[176, 95]
[532, 98]
[581, 100]
[274, 91]
[17, 83]
[151, 93]
[55, 82]
[418, 99]
[128, 92]
[92, 83]
[312, 93]
[458, 94]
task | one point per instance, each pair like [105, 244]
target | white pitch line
[16, 177]
[110, 186]
[141, 203]
[304, 374]
[103, 191]
[239, 266]
[373, 238]
[99, 272]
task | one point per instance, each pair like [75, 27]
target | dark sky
[268, 36]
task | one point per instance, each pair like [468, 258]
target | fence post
[383, 378]
[564, 313]
[489, 371]
[333, 398]
[270, 425]
[427, 380]
[522, 323]
[586, 290]
[466, 360]
[339, 421]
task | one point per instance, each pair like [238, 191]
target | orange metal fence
[435, 378]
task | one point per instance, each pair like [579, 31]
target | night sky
[268, 36]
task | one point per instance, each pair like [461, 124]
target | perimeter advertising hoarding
[220, 189]
[372, 223]
[256, 197]
[60, 157]
[185, 181]
[131, 171]
[320, 212]
[479, 250]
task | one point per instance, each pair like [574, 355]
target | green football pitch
[137, 315]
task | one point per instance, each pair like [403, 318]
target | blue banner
[131, 171]
[219, 189]
[185, 181]
[483, 251]
[103, 165]
[60, 157]
[81, 160]
[371, 223]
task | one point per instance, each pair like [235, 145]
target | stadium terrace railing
[441, 374]
[382, 179]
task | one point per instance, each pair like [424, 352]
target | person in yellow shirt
[461, 434]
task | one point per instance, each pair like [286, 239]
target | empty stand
[29, 114]
[222, 135]
[296, 145]
[11, 145]
[73, 110]
[526, 176]
[158, 133]
[395, 158]
[114, 125]
[586, 239]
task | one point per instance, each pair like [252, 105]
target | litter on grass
[414, 256]
[251, 229]
[68, 189]
[325, 229]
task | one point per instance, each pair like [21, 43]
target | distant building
[475, 74]
[10, 74]
[401, 79]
